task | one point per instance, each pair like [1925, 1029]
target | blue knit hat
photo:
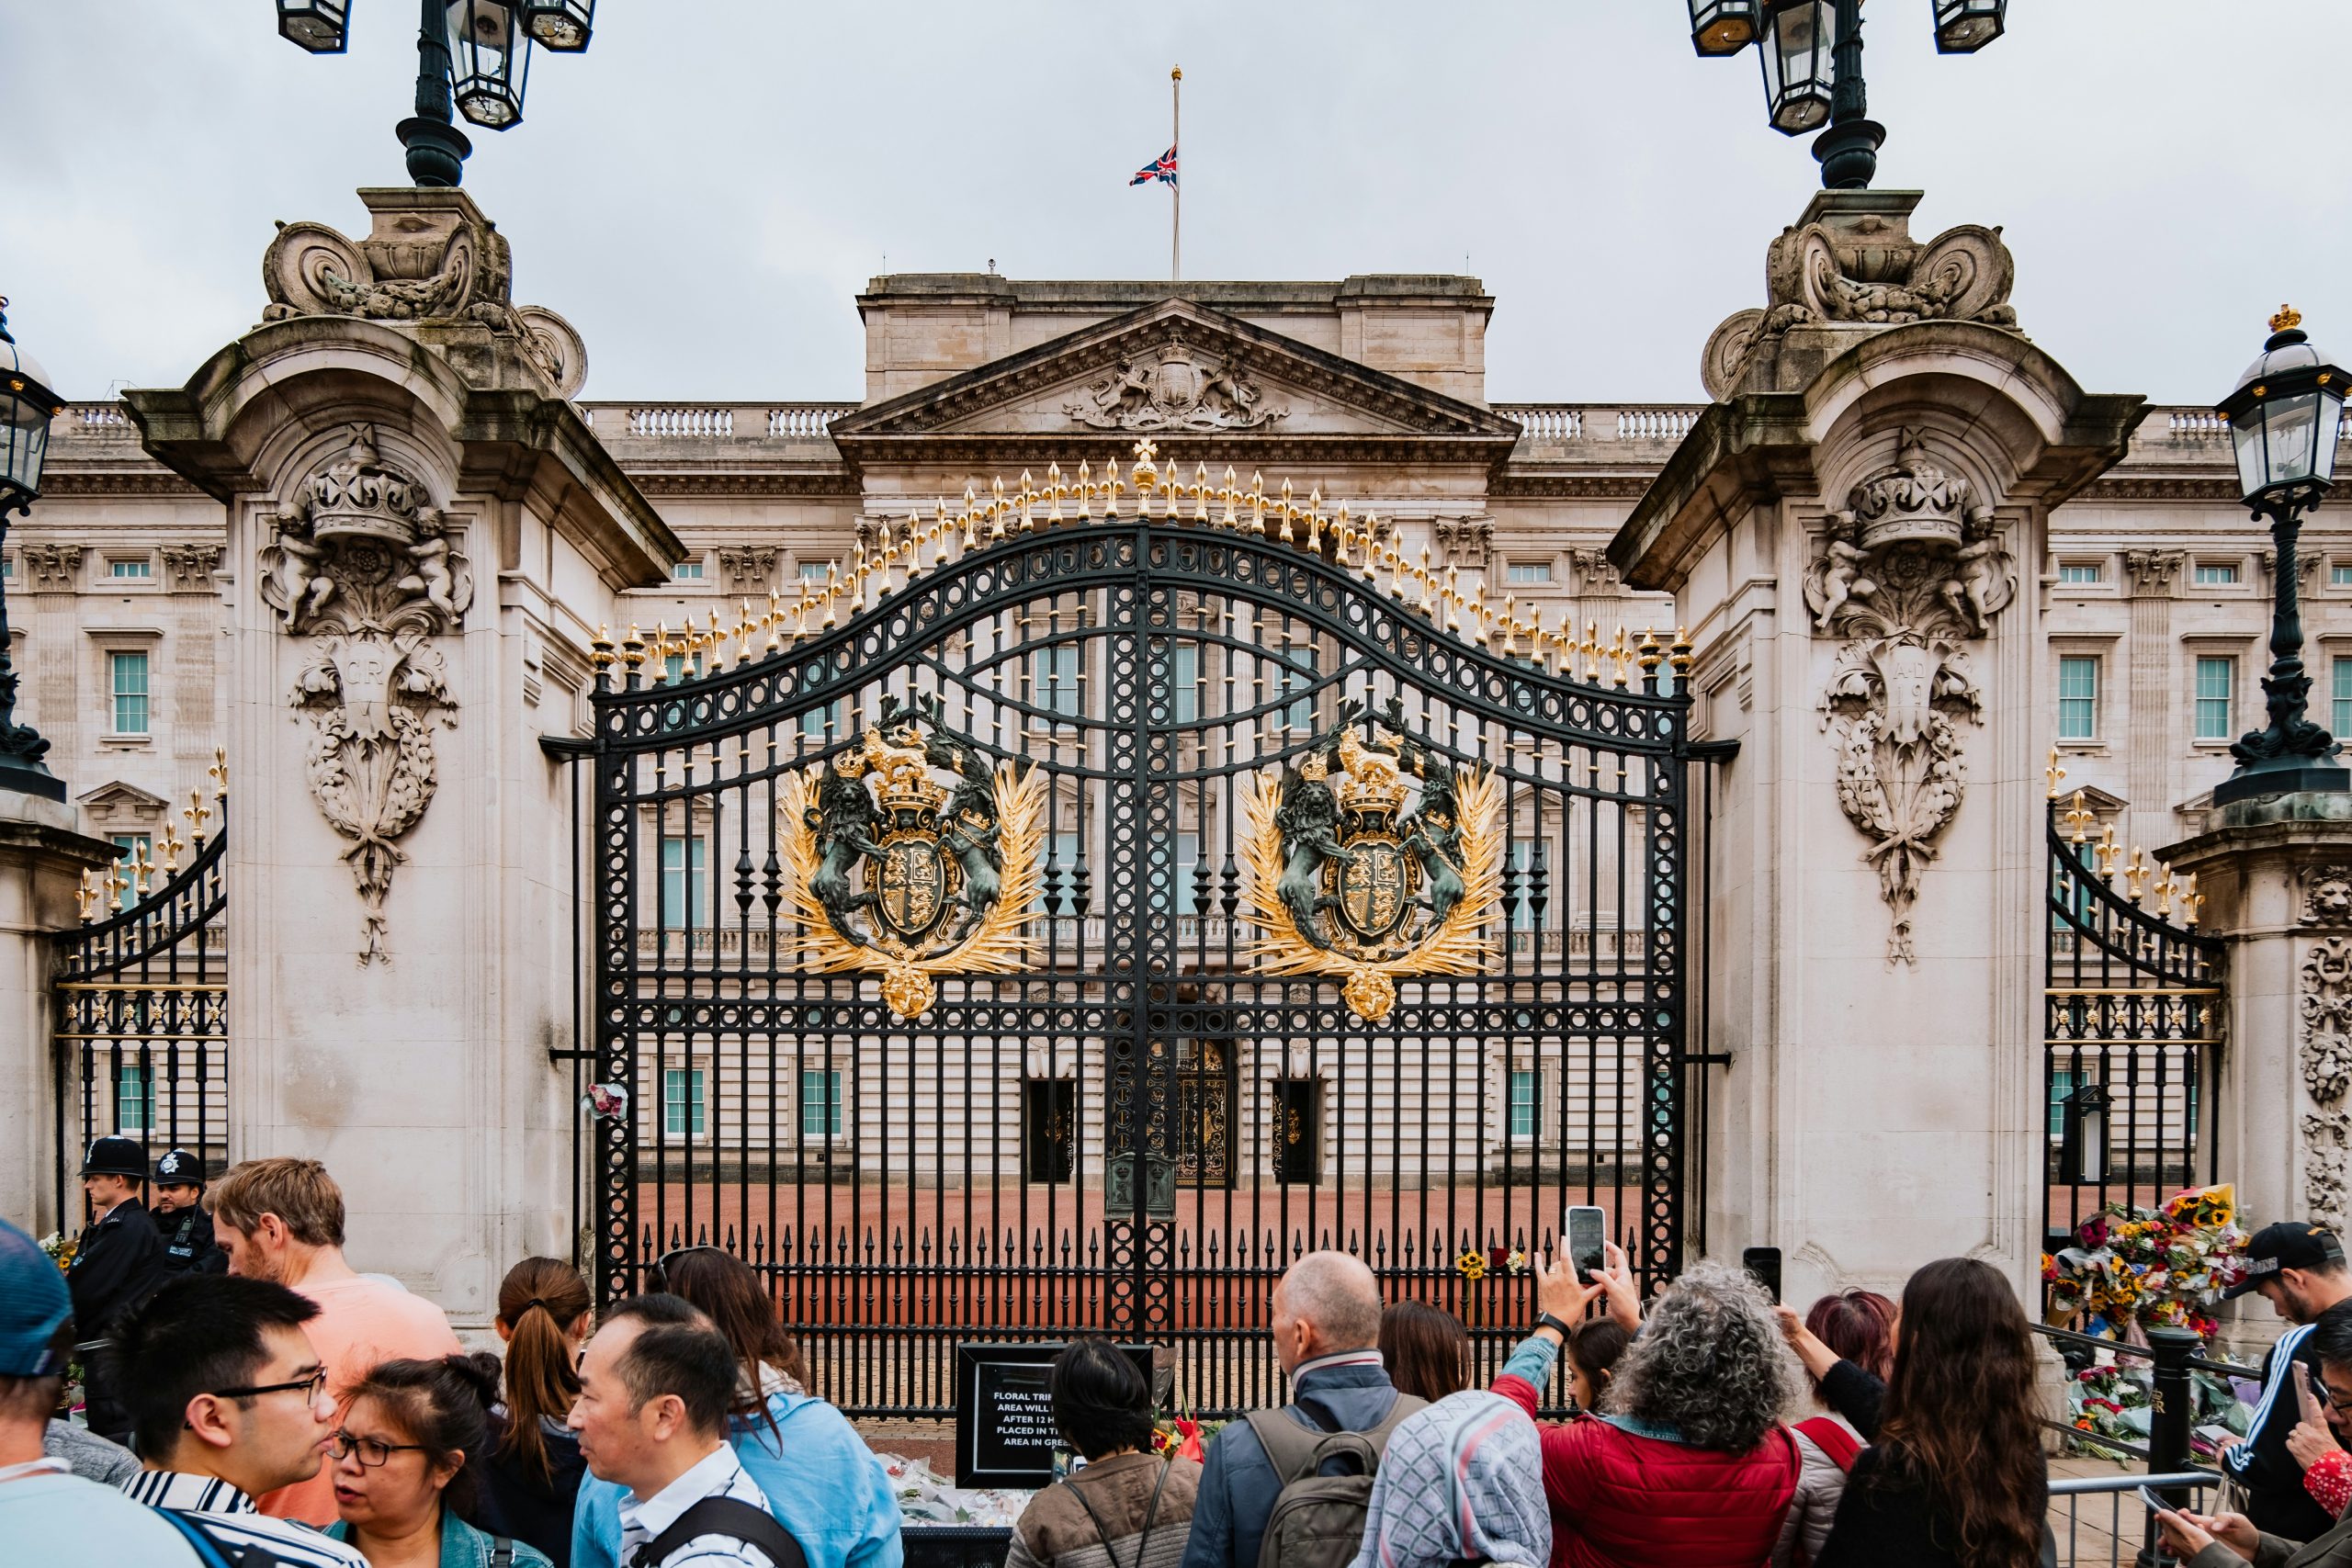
[33, 1306]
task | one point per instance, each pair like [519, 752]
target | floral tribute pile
[2135, 1268]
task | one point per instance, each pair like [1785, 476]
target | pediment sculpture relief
[1908, 576]
[1172, 387]
[362, 566]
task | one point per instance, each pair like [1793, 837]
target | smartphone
[1588, 1231]
[2154, 1502]
[1764, 1263]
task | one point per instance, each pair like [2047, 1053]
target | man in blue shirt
[2299, 1270]
[1326, 1337]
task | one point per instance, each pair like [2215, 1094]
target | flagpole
[1175, 144]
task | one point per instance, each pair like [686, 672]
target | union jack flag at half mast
[1164, 170]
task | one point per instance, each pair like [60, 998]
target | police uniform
[188, 1245]
[117, 1265]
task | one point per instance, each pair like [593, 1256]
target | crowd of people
[252, 1399]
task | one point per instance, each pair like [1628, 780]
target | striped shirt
[718, 1473]
[228, 1516]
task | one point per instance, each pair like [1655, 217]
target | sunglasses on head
[659, 1276]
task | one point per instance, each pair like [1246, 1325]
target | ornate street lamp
[2285, 417]
[473, 58]
[1723, 26]
[1812, 52]
[1964, 26]
[26, 405]
[320, 27]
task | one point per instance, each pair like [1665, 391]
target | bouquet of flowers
[2133, 1266]
[60, 1250]
[1185, 1437]
[2118, 1400]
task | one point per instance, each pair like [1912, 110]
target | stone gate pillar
[2277, 880]
[422, 537]
[44, 853]
[1852, 531]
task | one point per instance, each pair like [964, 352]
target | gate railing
[142, 1036]
[2133, 1008]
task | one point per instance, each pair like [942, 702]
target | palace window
[131, 569]
[2339, 574]
[1184, 682]
[1292, 673]
[2216, 574]
[2339, 691]
[820, 1102]
[1528, 571]
[127, 675]
[2062, 1083]
[1298, 1131]
[684, 864]
[2217, 683]
[1053, 679]
[134, 1099]
[1526, 1103]
[2077, 697]
[2079, 571]
[673, 666]
[828, 723]
[683, 1109]
[686, 571]
[1048, 1129]
[815, 571]
[1171, 891]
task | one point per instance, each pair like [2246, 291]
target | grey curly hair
[1709, 1362]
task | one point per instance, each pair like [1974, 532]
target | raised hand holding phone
[2313, 1437]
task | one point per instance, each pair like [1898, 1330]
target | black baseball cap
[2289, 1244]
[178, 1168]
[117, 1156]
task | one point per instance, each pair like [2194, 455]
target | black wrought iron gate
[1072, 918]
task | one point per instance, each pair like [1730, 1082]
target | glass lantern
[322, 26]
[2285, 417]
[1964, 26]
[562, 26]
[26, 405]
[490, 56]
[1798, 40]
[1723, 26]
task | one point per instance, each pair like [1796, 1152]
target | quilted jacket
[1622, 1500]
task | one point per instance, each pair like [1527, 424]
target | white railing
[681, 422]
[716, 422]
[2197, 425]
[105, 415]
[1546, 421]
[1655, 425]
[807, 419]
[1598, 421]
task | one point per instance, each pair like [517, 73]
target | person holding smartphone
[2299, 1268]
[2226, 1540]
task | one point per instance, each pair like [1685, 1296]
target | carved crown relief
[1172, 387]
[360, 564]
[1913, 571]
[446, 265]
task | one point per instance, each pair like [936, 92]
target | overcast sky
[705, 190]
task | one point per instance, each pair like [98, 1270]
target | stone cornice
[1216, 449]
[837, 483]
[2160, 487]
[155, 481]
[1554, 485]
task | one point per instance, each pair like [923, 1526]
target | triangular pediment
[1175, 370]
[119, 803]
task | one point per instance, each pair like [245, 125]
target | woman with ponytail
[534, 1469]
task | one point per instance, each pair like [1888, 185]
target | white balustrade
[1546, 421]
[1655, 425]
[673, 421]
[806, 420]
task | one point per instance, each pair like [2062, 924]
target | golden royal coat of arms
[1345, 880]
[895, 869]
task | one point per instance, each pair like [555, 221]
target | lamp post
[1812, 56]
[26, 405]
[473, 58]
[2285, 417]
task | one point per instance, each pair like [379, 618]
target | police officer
[117, 1265]
[180, 1219]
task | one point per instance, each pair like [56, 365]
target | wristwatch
[1554, 1323]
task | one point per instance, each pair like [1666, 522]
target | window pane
[127, 674]
[1528, 571]
[2062, 1084]
[134, 1099]
[1527, 855]
[1184, 675]
[821, 1103]
[684, 861]
[1523, 1102]
[2217, 572]
[2340, 575]
[2077, 698]
[2217, 681]
[682, 1102]
[129, 569]
[1052, 681]
[2339, 676]
[2079, 571]
[814, 570]
[828, 723]
[1175, 896]
[686, 570]
[1288, 673]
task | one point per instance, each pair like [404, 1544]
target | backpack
[724, 1516]
[214, 1552]
[1319, 1520]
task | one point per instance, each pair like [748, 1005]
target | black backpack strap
[209, 1551]
[724, 1516]
[502, 1551]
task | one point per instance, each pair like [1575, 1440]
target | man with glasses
[2298, 1267]
[229, 1400]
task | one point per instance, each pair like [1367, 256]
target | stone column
[43, 856]
[1842, 529]
[2277, 880]
[421, 536]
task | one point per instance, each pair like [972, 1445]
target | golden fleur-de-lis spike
[1621, 656]
[1111, 489]
[1085, 491]
[1426, 604]
[776, 622]
[1201, 489]
[173, 845]
[1315, 520]
[1288, 511]
[1257, 503]
[2191, 901]
[1395, 560]
[220, 772]
[832, 594]
[1591, 650]
[660, 651]
[2105, 852]
[1227, 496]
[1341, 534]
[744, 631]
[1453, 600]
[1055, 489]
[2078, 818]
[2164, 889]
[115, 884]
[2053, 772]
[717, 640]
[86, 896]
[1509, 624]
[198, 815]
[142, 869]
[857, 588]
[2134, 872]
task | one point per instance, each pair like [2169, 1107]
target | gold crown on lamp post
[2287, 318]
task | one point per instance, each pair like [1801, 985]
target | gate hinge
[1714, 750]
[567, 747]
[1706, 1058]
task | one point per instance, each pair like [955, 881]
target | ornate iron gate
[142, 994]
[1105, 892]
[2132, 1004]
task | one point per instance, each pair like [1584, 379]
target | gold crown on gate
[1373, 784]
[904, 774]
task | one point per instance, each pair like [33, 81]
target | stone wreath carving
[1870, 273]
[448, 269]
[1908, 576]
[2326, 1054]
[1170, 387]
[359, 564]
